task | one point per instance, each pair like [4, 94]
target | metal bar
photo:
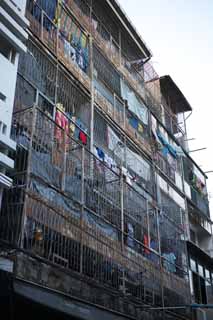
[34, 115]
[92, 95]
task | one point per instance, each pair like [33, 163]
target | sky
[180, 36]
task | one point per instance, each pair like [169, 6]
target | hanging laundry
[165, 151]
[114, 143]
[166, 145]
[146, 244]
[72, 126]
[133, 122]
[73, 54]
[83, 137]
[140, 128]
[134, 104]
[62, 122]
[94, 24]
[169, 262]
[129, 179]
[130, 232]
[79, 126]
[100, 154]
[109, 161]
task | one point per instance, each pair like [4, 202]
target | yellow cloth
[140, 128]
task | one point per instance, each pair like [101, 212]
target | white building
[12, 38]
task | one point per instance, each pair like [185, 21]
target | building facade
[12, 36]
[106, 208]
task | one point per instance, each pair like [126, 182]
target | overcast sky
[180, 36]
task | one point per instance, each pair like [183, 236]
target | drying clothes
[154, 245]
[78, 128]
[166, 145]
[133, 122]
[100, 154]
[83, 137]
[138, 165]
[130, 231]
[140, 128]
[72, 126]
[114, 143]
[73, 54]
[146, 244]
[94, 24]
[62, 121]
[129, 179]
[169, 262]
[134, 104]
[109, 161]
[165, 151]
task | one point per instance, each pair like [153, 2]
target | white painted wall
[12, 25]
[7, 88]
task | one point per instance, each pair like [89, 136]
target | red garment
[146, 243]
[83, 137]
[63, 123]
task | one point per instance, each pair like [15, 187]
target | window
[199, 289]
[4, 129]
[2, 97]
[200, 270]
[25, 94]
[207, 275]
[45, 105]
[7, 50]
[193, 264]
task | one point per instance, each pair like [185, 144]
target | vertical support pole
[124, 116]
[57, 27]
[187, 231]
[82, 174]
[90, 16]
[147, 217]
[158, 198]
[158, 231]
[119, 47]
[64, 150]
[82, 205]
[42, 25]
[110, 51]
[122, 209]
[122, 223]
[92, 95]
[23, 218]
[114, 106]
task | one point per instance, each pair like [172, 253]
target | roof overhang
[175, 98]
[127, 24]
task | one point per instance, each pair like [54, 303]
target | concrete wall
[12, 38]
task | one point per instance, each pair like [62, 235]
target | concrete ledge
[61, 303]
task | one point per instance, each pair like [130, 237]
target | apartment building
[107, 208]
[12, 36]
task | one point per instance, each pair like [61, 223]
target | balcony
[165, 167]
[201, 201]
[195, 180]
[50, 34]
[84, 221]
[139, 80]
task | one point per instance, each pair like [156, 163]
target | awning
[173, 95]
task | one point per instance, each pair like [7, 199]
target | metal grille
[77, 215]
[38, 69]
[106, 72]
